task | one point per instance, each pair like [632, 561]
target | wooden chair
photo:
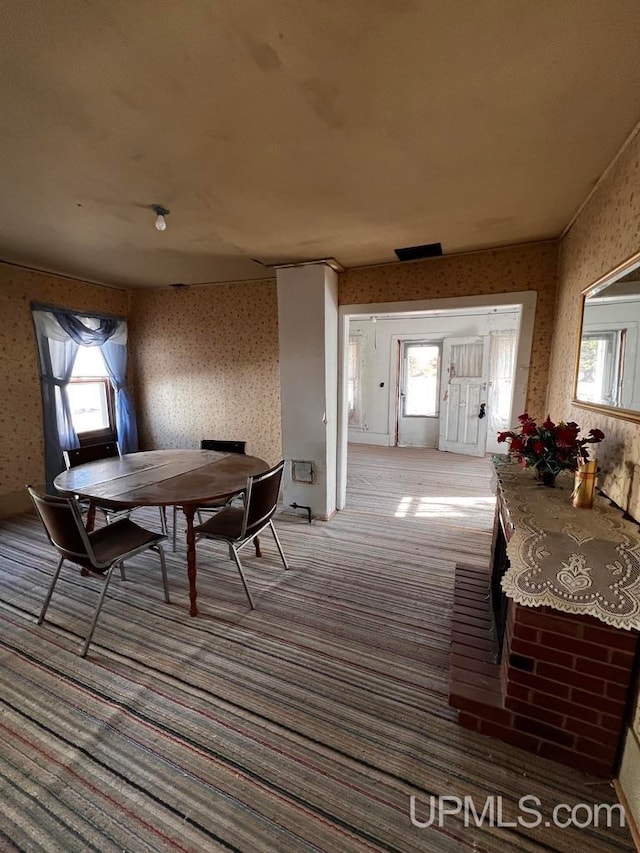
[237, 526]
[97, 553]
[93, 453]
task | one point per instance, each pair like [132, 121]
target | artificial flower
[549, 446]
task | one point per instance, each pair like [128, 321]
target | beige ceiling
[289, 130]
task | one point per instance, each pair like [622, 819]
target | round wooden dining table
[161, 478]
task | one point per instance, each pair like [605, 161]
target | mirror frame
[604, 281]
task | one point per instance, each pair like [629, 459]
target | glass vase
[546, 477]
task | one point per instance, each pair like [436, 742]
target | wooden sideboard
[545, 641]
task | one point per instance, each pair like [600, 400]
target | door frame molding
[525, 300]
[395, 374]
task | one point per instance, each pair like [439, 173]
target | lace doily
[583, 561]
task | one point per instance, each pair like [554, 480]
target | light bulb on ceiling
[160, 212]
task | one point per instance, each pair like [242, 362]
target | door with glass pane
[419, 393]
[463, 397]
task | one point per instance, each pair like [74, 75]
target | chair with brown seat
[237, 526]
[94, 453]
[91, 453]
[221, 446]
[97, 553]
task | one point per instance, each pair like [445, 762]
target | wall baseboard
[381, 439]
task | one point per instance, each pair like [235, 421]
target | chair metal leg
[45, 606]
[163, 520]
[122, 572]
[175, 522]
[163, 569]
[107, 578]
[110, 514]
[275, 536]
[244, 583]
[256, 545]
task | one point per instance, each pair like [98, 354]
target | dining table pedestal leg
[189, 511]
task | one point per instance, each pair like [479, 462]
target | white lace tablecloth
[583, 561]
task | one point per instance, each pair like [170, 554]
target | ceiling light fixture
[160, 213]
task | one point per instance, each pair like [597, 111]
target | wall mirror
[608, 363]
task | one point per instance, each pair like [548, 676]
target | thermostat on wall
[301, 472]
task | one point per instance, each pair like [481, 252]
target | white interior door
[463, 407]
[418, 393]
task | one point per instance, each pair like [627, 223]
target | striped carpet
[306, 725]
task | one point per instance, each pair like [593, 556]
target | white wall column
[308, 338]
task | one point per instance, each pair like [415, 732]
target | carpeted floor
[306, 725]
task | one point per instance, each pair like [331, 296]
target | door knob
[482, 413]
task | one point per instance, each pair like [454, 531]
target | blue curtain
[85, 335]
[115, 357]
[59, 333]
[56, 364]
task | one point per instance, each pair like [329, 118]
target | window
[466, 360]
[91, 395]
[421, 380]
[102, 407]
[601, 358]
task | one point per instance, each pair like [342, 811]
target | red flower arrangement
[549, 447]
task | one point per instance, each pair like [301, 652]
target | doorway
[418, 392]
[390, 408]
[443, 393]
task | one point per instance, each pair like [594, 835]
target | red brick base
[561, 687]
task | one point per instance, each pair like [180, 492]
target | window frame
[615, 343]
[98, 436]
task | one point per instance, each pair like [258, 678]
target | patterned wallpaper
[529, 267]
[206, 358]
[605, 234]
[21, 441]
[206, 365]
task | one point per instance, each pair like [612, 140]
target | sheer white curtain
[502, 357]
[355, 374]
[466, 360]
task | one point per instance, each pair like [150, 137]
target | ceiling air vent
[416, 253]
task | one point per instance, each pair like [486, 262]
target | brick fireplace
[550, 680]
[560, 688]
